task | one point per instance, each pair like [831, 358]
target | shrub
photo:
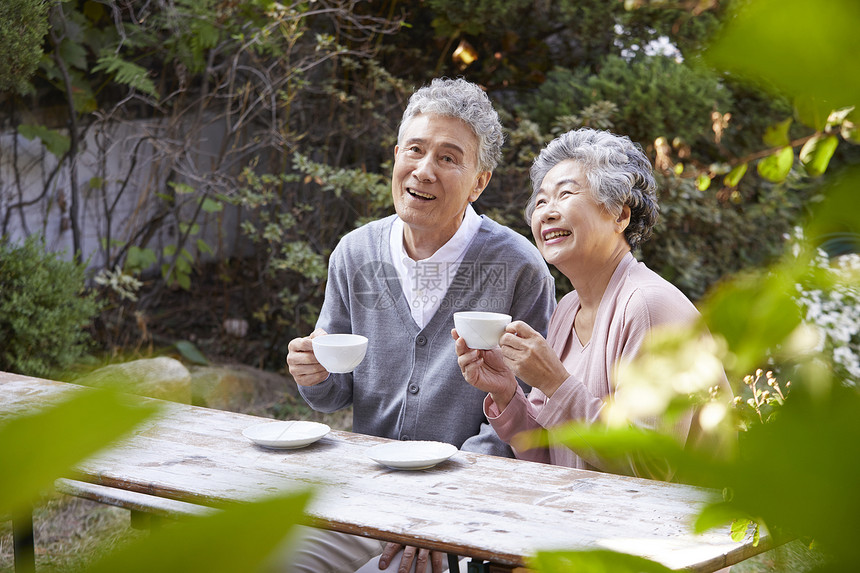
[678, 98]
[23, 25]
[43, 309]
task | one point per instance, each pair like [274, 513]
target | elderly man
[399, 280]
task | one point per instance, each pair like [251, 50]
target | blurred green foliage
[41, 445]
[794, 471]
[239, 538]
[44, 309]
[598, 561]
[794, 47]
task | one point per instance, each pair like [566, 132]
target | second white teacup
[340, 353]
[481, 330]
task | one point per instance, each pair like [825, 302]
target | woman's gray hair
[466, 101]
[618, 172]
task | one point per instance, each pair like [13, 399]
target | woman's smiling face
[436, 176]
[568, 223]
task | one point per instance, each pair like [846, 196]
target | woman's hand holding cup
[486, 370]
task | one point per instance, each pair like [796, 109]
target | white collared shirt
[425, 282]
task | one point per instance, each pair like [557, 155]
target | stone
[163, 377]
[238, 388]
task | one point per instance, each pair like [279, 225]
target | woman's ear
[623, 219]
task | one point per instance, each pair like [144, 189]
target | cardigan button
[421, 340]
[413, 388]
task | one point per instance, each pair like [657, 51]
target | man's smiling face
[435, 177]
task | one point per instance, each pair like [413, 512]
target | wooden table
[491, 508]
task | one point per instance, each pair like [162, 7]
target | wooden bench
[146, 510]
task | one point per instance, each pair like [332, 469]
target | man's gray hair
[466, 101]
[618, 172]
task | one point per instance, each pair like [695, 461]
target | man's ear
[481, 182]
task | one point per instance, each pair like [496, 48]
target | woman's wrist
[502, 399]
[555, 382]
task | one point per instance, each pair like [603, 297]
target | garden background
[174, 174]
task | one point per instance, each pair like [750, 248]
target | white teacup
[481, 330]
[340, 353]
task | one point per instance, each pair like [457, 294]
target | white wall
[106, 153]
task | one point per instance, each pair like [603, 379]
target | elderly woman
[593, 201]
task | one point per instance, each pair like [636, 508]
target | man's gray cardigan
[409, 386]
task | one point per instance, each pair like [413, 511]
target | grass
[70, 533]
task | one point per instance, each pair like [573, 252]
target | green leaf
[125, 72]
[139, 259]
[734, 176]
[838, 213]
[776, 167]
[189, 228]
[812, 111]
[753, 312]
[739, 529]
[73, 54]
[204, 247]
[703, 181]
[54, 141]
[82, 93]
[777, 135]
[595, 561]
[212, 206]
[181, 188]
[816, 153]
[800, 48]
[190, 352]
[40, 446]
[239, 538]
[94, 11]
[717, 515]
[651, 452]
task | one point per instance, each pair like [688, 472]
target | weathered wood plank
[492, 508]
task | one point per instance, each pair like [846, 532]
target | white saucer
[411, 455]
[286, 435]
